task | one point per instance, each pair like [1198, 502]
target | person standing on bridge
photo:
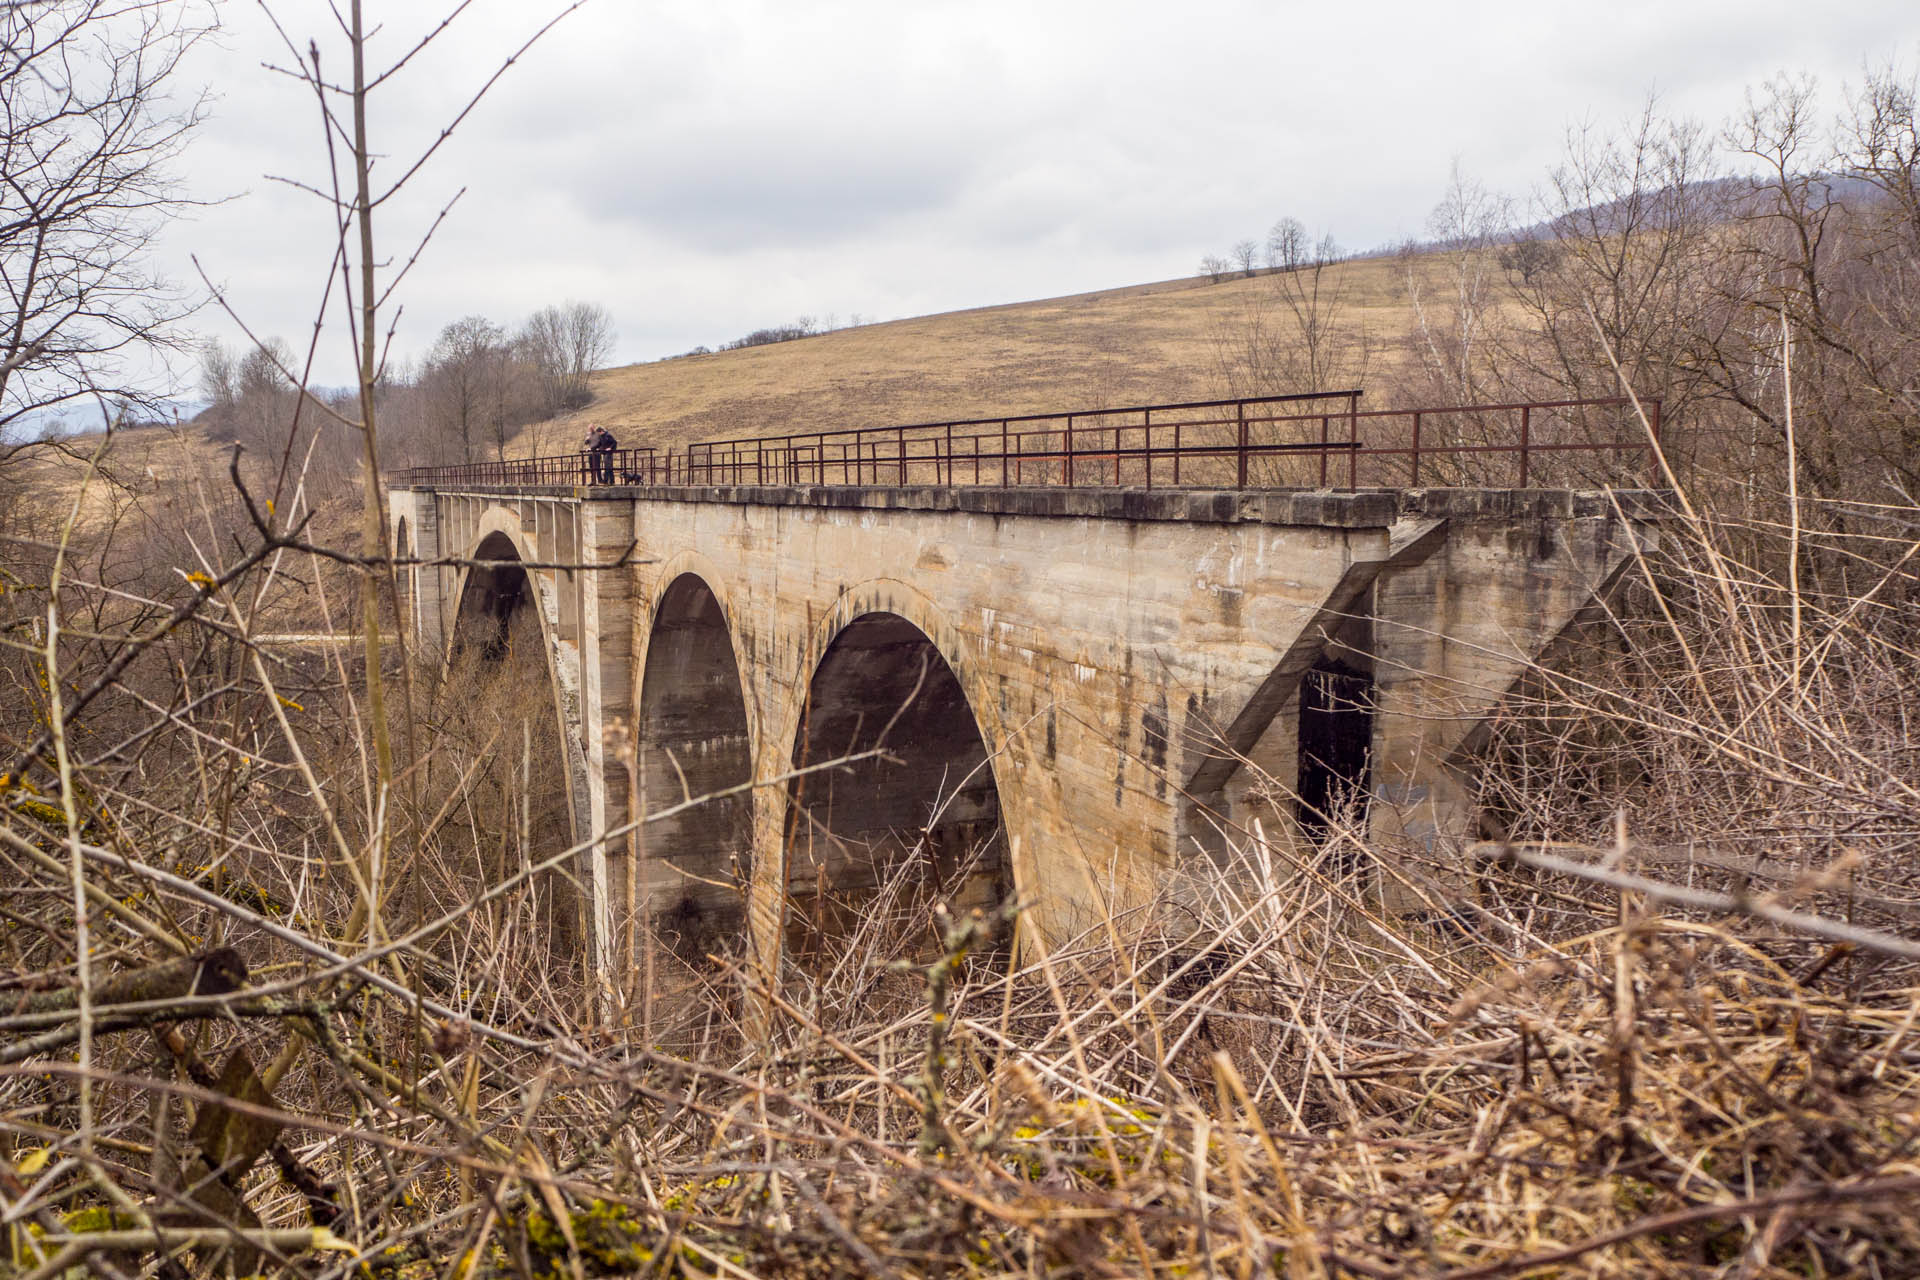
[600, 445]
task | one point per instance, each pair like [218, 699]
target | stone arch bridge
[1078, 685]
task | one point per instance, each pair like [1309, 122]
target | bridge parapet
[1344, 509]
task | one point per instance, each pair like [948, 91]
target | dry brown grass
[1142, 344]
[1146, 344]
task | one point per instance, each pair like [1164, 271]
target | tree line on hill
[803, 327]
[462, 402]
[1288, 247]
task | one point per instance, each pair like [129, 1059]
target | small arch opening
[403, 580]
[695, 742]
[496, 616]
[872, 844]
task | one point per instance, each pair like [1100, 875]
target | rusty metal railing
[1210, 442]
[1322, 440]
[624, 466]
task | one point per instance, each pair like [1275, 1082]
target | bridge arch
[498, 535]
[652, 594]
[860, 843]
[397, 524]
[696, 738]
[503, 610]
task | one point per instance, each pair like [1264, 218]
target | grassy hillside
[1139, 345]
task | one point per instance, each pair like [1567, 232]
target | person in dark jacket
[600, 445]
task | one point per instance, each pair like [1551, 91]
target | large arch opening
[695, 742]
[872, 843]
[497, 726]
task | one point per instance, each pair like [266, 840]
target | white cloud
[704, 167]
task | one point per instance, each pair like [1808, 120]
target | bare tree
[1288, 244]
[1455, 291]
[1832, 247]
[1297, 335]
[219, 377]
[1215, 268]
[90, 124]
[1629, 263]
[1245, 254]
[565, 344]
[465, 385]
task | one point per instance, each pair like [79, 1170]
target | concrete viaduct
[1078, 690]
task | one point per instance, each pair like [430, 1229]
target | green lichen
[96, 1218]
[608, 1236]
[688, 1196]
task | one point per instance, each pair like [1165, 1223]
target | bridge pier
[605, 536]
[416, 520]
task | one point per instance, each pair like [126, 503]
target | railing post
[1353, 441]
[901, 437]
[1003, 453]
[1323, 450]
[1526, 426]
[936, 470]
[1176, 453]
[1416, 448]
[1069, 451]
[1240, 414]
[1146, 442]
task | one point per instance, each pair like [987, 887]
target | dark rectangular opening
[1336, 747]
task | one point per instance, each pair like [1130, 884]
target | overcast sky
[706, 167]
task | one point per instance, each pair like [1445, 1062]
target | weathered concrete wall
[1122, 653]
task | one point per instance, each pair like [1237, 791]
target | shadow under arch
[498, 608]
[501, 685]
[694, 741]
[870, 844]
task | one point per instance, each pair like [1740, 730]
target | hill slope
[1145, 344]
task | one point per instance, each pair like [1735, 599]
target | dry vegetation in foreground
[292, 986]
[1605, 1046]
